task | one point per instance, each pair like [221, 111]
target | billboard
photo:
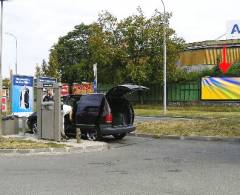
[220, 88]
[83, 88]
[65, 90]
[22, 95]
[4, 104]
[233, 29]
[5, 95]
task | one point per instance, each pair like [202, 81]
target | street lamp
[16, 43]
[1, 40]
[164, 63]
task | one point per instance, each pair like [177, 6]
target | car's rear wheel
[94, 135]
[119, 136]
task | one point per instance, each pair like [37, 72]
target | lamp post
[1, 40]
[164, 62]
[16, 44]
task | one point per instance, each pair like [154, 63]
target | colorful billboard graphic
[80, 89]
[22, 95]
[220, 88]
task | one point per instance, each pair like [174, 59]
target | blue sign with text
[22, 95]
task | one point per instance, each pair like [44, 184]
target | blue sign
[95, 86]
[235, 29]
[47, 80]
[22, 95]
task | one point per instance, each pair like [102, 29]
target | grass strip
[11, 143]
[209, 112]
[208, 127]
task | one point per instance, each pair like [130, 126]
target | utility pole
[1, 41]
[164, 62]
[16, 46]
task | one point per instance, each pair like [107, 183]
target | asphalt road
[132, 166]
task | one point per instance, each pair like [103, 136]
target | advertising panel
[220, 88]
[22, 95]
[5, 93]
[65, 90]
[4, 104]
[83, 88]
[233, 29]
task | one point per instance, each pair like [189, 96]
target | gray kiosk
[49, 115]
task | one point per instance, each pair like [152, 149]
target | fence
[176, 92]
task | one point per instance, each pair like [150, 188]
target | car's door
[88, 109]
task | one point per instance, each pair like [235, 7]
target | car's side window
[89, 103]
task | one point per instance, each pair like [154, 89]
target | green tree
[38, 71]
[53, 67]
[6, 83]
[44, 68]
[129, 50]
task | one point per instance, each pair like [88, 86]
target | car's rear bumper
[117, 130]
[108, 130]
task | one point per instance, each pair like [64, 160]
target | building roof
[213, 44]
[210, 52]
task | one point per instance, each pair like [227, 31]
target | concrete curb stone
[194, 138]
[80, 149]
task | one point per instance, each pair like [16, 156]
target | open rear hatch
[121, 90]
[122, 111]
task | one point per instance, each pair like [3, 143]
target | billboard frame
[217, 100]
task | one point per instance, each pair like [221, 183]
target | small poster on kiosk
[22, 95]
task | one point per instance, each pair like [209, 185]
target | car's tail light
[108, 118]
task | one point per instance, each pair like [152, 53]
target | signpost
[95, 77]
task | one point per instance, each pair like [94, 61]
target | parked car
[99, 115]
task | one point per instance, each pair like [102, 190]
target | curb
[81, 149]
[194, 138]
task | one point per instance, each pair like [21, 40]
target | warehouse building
[207, 54]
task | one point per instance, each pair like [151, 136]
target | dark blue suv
[99, 115]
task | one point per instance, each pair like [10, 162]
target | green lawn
[204, 121]
[189, 111]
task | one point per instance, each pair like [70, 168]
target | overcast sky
[38, 23]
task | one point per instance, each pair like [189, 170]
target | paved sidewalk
[71, 146]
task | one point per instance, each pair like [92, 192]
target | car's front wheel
[119, 136]
[34, 128]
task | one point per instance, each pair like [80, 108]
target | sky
[38, 24]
